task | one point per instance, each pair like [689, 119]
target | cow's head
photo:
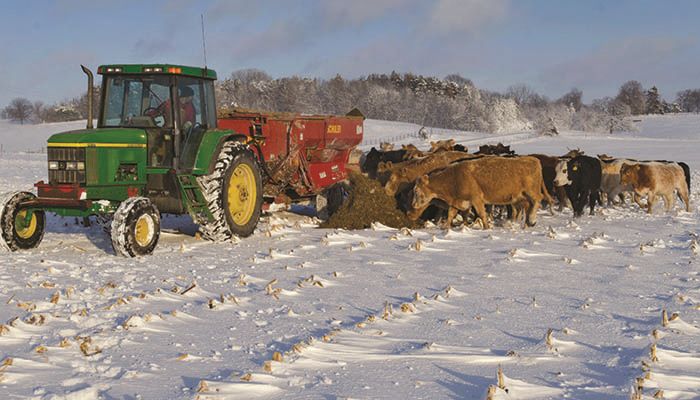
[421, 197]
[392, 185]
[386, 146]
[573, 153]
[562, 177]
[371, 161]
[628, 173]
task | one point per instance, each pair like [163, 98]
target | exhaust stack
[89, 94]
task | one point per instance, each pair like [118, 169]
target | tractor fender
[210, 147]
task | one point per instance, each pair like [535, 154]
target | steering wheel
[155, 112]
[150, 111]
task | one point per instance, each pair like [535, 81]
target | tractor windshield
[137, 101]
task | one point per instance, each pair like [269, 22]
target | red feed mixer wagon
[302, 154]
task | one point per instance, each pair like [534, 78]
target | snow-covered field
[568, 309]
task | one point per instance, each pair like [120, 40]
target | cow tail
[686, 172]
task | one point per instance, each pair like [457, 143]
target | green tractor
[156, 149]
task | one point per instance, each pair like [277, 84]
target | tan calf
[610, 183]
[442, 145]
[656, 179]
[515, 181]
[412, 152]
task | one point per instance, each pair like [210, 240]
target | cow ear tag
[575, 168]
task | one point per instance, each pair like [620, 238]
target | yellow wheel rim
[25, 230]
[143, 231]
[241, 194]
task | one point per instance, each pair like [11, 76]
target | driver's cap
[186, 91]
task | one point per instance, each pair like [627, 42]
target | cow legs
[579, 202]
[669, 201]
[683, 194]
[638, 199]
[593, 197]
[562, 197]
[651, 200]
[481, 214]
[533, 205]
[621, 195]
[451, 213]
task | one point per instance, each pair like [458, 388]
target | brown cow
[409, 171]
[656, 179]
[515, 181]
[412, 152]
[442, 145]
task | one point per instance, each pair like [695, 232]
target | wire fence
[390, 139]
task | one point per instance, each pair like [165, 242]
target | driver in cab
[187, 110]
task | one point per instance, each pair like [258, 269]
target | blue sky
[551, 46]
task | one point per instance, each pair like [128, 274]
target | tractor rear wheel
[135, 227]
[234, 194]
[20, 228]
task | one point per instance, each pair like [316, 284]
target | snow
[567, 309]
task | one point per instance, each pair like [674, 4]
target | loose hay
[368, 203]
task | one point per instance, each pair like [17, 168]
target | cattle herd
[447, 180]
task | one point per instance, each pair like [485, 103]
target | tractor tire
[135, 227]
[19, 228]
[234, 194]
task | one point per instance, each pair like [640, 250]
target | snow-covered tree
[653, 101]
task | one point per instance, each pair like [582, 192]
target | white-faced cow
[580, 177]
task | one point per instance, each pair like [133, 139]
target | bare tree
[632, 94]
[572, 99]
[689, 100]
[19, 110]
[459, 79]
[526, 96]
[250, 75]
[38, 112]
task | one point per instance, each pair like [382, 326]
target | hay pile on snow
[366, 204]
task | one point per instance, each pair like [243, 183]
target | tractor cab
[143, 97]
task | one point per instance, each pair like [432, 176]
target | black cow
[459, 147]
[497, 149]
[581, 178]
[374, 157]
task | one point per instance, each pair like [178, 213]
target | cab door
[196, 114]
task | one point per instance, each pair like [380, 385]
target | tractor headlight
[81, 166]
[71, 165]
[53, 165]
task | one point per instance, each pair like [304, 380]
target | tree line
[453, 102]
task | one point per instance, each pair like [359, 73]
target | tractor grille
[61, 155]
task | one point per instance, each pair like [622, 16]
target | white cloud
[466, 16]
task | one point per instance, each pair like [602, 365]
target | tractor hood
[101, 137]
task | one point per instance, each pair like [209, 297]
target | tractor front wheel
[234, 194]
[135, 227]
[21, 228]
